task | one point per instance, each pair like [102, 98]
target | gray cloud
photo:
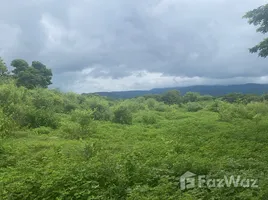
[177, 38]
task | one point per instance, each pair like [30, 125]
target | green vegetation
[259, 17]
[30, 77]
[67, 146]
[3, 68]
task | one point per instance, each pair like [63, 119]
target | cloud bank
[100, 45]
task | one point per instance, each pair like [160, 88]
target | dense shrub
[9, 94]
[103, 113]
[28, 116]
[172, 97]
[83, 117]
[149, 118]
[191, 97]
[132, 105]
[69, 107]
[73, 130]
[93, 102]
[227, 111]
[161, 107]
[7, 125]
[257, 108]
[80, 125]
[214, 107]
[193, 107]
[45, 99]
[140, 100]
[44, 118]
[123, 115]
[151, 103]
[43, 130]
[205, 98]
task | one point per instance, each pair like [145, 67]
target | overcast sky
[110, 45]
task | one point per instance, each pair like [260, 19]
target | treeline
[174, 97]
[213, 90]
[76, 115]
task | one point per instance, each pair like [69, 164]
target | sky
[101, 45]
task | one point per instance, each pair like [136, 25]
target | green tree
[102, 112]
[172, 97]
[33, 76]
[190, 97]
[19, 65]
[259, 17]
[44, 74]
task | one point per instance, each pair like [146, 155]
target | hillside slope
[214, 90]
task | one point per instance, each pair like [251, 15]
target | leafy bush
[122, 115]
[43, 130]
[69, 107]
[140, 100]
[80, 125]
[72, 130]
[92, 102]
[9, 93]
[44, 118]
[71, 102]
[7, 125]
[257, 108]
[161, 107]
[172, 97]
[149, 118]
[193, 107]
[205, 98]
[214, 107]
[132, 105]
[103, 113]
[225, 112]
[83, 117]
[45, 99]
[28, 116]
[228, 111]
[151, 103]
[191, 97]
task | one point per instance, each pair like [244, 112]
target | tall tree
[19, 65]
[33, 76]
[44, 73]
[259, 17]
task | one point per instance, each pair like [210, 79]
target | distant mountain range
[214, 90]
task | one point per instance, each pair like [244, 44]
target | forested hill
[214, 90]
